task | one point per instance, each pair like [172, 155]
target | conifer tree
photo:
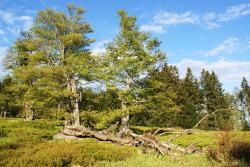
[243, 98]
[57, 57]
[21, 60]
[129, 57]
[214, 99]
[161, 93]
[190, 100]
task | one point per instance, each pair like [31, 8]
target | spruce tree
[190, 100]
[214, 99]
[244, 98]
[161, 95]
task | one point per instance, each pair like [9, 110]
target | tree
[190, 100]
[58, 51]
[99, 100]
[243, 99]
[21, 61]
[161, 96]
[214, 99]
[129, 57]
[9, 97]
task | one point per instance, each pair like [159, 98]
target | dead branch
[147, 140]
[188, 131]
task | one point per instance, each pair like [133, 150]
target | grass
[27, 144]
[194, 160]
[205, 138]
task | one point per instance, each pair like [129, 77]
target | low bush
[230, 150]
[63, 153]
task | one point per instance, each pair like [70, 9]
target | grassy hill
[25, 144]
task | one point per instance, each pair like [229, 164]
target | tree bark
[27, 111]
[125, 118]
[74, 101]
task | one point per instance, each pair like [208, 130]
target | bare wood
[188, 131]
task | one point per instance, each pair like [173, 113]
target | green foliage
[50, 63]
[30, 144]
[99, 100]
[159, 91]
[84, 153]
[215, 99]
[16, 132]
[190, 100]
[27, 144]
[9, 97]
[242, 101]
[100, 120]
[128, 57]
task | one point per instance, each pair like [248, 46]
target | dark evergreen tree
[160, 94]
[214, 99]
[243, 98]
[190, 100]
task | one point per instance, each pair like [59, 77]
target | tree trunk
[27, 111]
[74, 101]
[125, 118]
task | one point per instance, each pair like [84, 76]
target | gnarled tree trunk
[125, 118]
[72, 87]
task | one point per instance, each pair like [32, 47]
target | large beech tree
[129, 57]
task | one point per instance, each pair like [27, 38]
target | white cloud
[227, 47]
[229, 72]
[7, 17]
[14, 23]
[152, 28]
[209, 20]
[166, 18]
[27, 21]
[234, 12]
[99, 47]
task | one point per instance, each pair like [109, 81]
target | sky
[209, 34]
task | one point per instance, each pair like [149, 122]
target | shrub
[230, 149]
[63, 153]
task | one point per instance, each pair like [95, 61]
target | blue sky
[207, 34]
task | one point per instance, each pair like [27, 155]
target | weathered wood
[83, 132]
[146, 140]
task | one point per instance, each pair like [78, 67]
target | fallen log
[147, 140]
